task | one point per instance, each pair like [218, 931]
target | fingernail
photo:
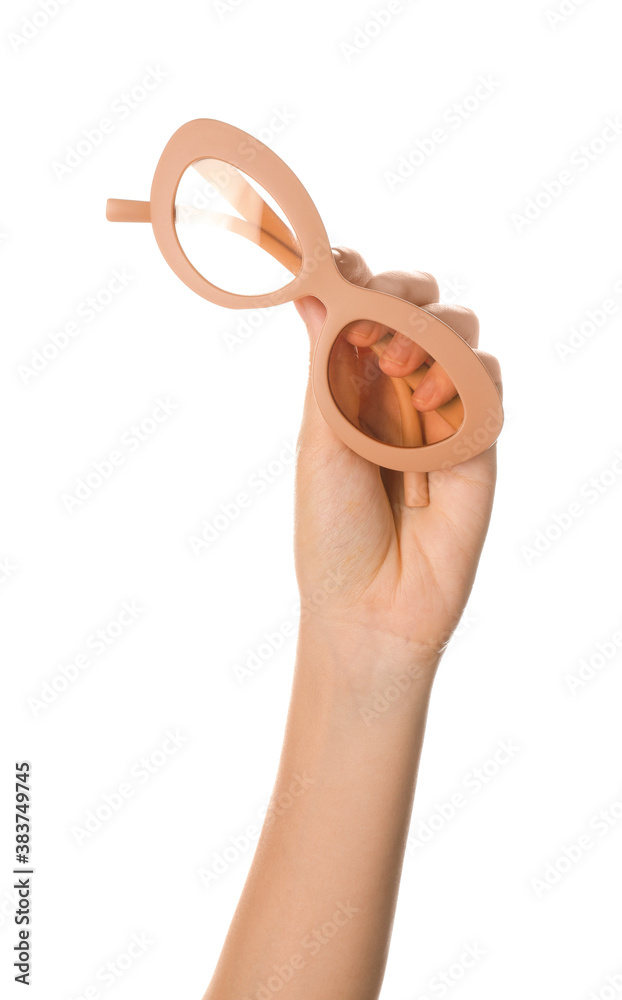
[423, 393]
[361, 328]
[397, 352]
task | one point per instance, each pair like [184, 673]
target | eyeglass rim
[319, 275]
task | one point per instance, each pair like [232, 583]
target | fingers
[402, 356]
[494, 368]
[403, 359]
[435, 388]
[433, 385]
[312, 313]
[314, 429]
[416, 286]
[311, 310]
[459, 318]
[352, 265]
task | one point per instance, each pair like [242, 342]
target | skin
[382, 588]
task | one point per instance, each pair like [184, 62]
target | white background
[350, 114]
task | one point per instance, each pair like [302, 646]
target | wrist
[367, 670]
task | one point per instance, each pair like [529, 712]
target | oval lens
[232, 231]
[381, 405]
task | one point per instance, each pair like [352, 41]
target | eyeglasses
[237, 226]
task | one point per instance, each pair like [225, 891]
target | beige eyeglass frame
[476, 413]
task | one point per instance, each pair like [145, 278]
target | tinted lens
[380, 404]
[232, 231]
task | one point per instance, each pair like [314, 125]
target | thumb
[314, 431]
[319, 447]
[313, 313]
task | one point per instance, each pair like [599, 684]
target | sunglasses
[237, 226]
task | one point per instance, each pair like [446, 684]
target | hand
[403, 574]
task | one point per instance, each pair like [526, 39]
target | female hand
[372, 572]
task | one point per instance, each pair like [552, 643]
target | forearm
[331, 850]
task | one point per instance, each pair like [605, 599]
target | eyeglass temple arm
[264, 227]
[234, 187]
[123, 210]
